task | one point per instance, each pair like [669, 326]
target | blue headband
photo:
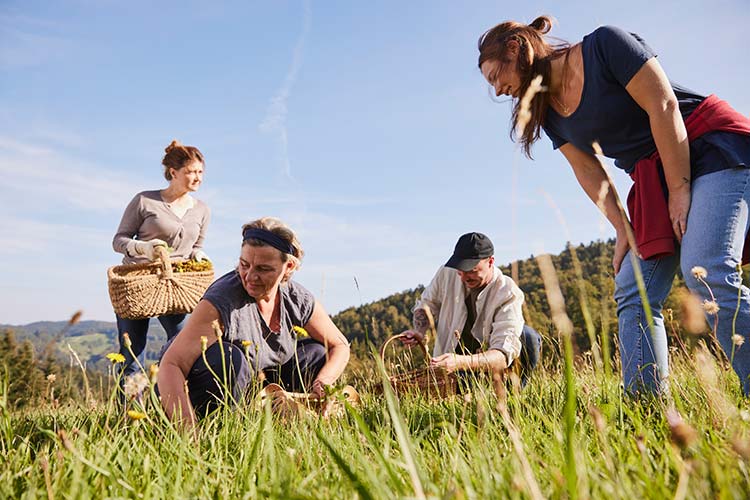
[276, 241]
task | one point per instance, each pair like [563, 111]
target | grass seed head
[681, 433]
[741, 447]
[75, 318]
[693, 319]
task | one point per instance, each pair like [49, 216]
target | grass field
[567, 435]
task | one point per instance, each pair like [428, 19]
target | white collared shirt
[499, 318]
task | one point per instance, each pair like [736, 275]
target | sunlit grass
[453, 448]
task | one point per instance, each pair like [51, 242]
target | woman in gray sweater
[168, 217]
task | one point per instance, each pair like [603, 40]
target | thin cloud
[22, 49]
[275, 119]
[49, 177]
[29, 236]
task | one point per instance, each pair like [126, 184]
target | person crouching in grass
[262, 315]
[477, 315]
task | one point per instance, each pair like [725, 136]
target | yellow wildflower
[136, 415]
[247, 343]
[204, 343]
[126, 340]
[301, 332]
[116, 357]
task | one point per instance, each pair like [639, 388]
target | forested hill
[377, 320]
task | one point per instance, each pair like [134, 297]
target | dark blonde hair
[280, 229]
[534, 56]
[179, 156]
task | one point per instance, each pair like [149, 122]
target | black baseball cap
[470, 249]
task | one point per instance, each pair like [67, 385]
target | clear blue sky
[365, 125]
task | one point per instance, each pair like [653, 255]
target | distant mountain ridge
[91, 340]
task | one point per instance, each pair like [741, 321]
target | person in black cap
[477, 314]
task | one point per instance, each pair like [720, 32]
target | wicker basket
[433, 382]
[152, 289]
[295, 404]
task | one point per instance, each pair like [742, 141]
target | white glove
[145, 248]
[200, 255]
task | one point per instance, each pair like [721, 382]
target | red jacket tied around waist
[647, 200]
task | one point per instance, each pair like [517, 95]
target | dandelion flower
[204, 343]
[135, 385]
[153, 371]
[738, 340]
[699, 272]
[710, 306]
[126, 340]
[51, 378]
[136, 415]
[301, 332]
[247, 343]
[116, 357]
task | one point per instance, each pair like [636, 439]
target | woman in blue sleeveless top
[261, 316]
[688, 155]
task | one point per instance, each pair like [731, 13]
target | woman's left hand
[679, 206]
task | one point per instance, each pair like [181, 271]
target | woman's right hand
[146, 248]
[412, 337]
[621, 250]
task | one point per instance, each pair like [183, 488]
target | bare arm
[590, 174]
[179, 359]
[651, 89]
[489, 360]
[321, 328]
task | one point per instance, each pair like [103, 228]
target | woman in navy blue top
[688, 154]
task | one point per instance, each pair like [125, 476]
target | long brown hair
[534, 56]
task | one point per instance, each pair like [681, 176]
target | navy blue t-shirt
[608, 114]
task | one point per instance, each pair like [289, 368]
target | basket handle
[166, 264]
[401, 335]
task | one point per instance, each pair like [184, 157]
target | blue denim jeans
[531, 351]
[716, 228]
[137, 330]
